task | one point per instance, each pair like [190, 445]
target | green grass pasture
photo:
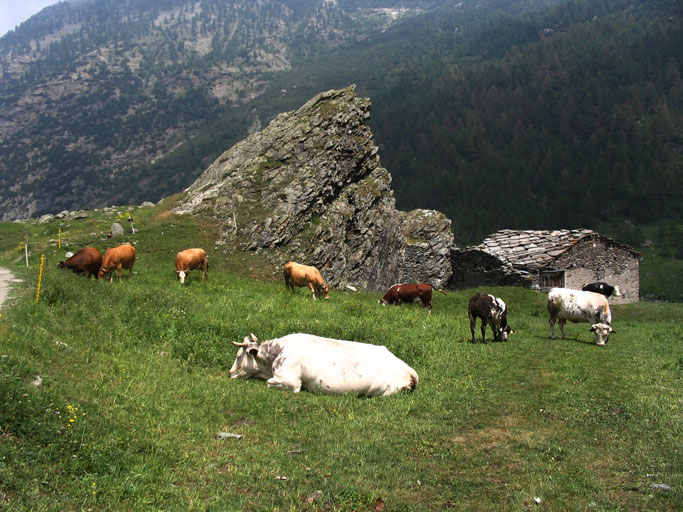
[135, 388]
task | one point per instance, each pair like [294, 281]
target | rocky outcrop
[310, 187]
[427, 252]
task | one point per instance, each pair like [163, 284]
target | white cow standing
[579, 306]
[323, 365]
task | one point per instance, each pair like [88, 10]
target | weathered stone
[428, 245]
[116, 230]
[310, 186]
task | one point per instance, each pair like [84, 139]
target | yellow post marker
[40, 276]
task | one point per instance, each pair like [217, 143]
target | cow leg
[312, 288]
[562, 321]
[551, 322]
[130, 272]
[285, 383]
[483, 331]
[473, 323]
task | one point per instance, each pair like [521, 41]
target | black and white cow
[602, 288]
[491, 310]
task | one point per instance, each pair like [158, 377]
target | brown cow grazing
[190, 259]
[491, 310]
[304, 275]
[117, 258]
[410, 293]
[86, 261]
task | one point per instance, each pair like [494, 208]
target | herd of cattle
[331, 366]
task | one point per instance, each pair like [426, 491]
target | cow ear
[612, 331]
[592, 328]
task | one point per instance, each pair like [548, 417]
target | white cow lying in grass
[579, 306]
[323, 365]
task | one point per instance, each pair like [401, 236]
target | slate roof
[533, 249]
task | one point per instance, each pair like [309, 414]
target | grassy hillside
[135, 388]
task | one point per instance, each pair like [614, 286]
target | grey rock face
[429, 241]
[310, 188]
[116, 229]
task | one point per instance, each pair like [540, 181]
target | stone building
[549, 258]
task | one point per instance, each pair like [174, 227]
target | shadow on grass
[575, 340]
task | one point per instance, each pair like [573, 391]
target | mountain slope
[498, 113]
[577, 124]
[91, 90]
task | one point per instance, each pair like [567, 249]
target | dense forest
[571, 119]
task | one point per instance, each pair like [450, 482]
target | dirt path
[6, 280]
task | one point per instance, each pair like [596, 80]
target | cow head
[324, 290]
[602, 332]
[246, 363]
[181, 276]
[616, 292]
[501, 333]
[101, 273]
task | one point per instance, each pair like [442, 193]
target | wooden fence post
[40, 276]
[26, 246]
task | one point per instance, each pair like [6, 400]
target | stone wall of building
[473, 268]
[597, 258]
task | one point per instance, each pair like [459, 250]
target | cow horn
[252, 337]
[243, 344]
